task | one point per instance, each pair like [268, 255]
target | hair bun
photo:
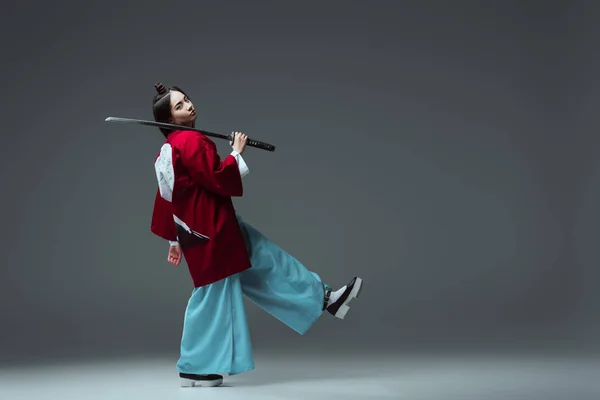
[160, 88]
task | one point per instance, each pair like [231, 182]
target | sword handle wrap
[260, 145]
[253, 143]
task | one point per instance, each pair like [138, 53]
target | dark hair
[161, 105]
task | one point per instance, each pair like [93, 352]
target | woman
[227, 258]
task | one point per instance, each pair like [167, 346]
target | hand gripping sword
[231, 137]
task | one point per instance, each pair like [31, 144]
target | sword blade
[167, 126]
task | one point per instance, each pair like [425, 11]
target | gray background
[443, 152]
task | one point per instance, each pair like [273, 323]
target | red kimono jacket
[193, 206]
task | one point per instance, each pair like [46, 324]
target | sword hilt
[253, 143]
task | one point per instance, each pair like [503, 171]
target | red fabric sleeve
[163, 224]
[199, 155]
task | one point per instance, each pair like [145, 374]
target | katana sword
[230, 138]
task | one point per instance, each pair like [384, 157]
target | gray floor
[313, 377]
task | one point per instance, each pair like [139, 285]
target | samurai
[227, 258]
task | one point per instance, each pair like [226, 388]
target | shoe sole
[185, 382]
[343, 310]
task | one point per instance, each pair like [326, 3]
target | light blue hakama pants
[216, 338]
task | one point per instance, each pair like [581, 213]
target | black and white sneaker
[192, 380]
[341, 305]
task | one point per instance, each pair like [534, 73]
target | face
[182, 109]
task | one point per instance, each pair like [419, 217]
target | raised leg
[284, 287]
[279, 283]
